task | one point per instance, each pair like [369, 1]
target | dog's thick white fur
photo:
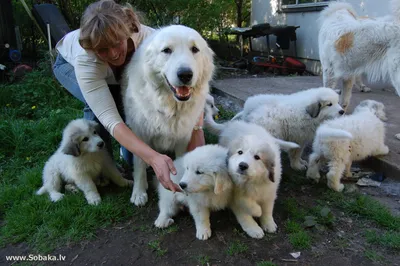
[203, 176]
[293, 117]
[79, 161]
[349, 47]
[164, 92]
[350, 138]
[255, 167]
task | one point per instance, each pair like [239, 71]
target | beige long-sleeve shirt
[93, 75]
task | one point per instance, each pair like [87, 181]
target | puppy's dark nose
[341, 112]
[100, 144]
[243, 166]
[185, 74]
[183, 185]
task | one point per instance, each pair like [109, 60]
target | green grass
[374, 256]
[203, 260]
[155, 246]
[387, 239]
[237, 247]
[300, 240]
[33, 115]
[265, 263]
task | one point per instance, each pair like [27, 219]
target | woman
[89, 65]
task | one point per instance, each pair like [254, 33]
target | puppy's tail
[238, 116]
[211, 125]
[333, 133]
[333, 7]
[41, 191]
[286, 145]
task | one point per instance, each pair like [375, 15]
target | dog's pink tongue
[182, 91]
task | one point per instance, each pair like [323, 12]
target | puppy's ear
[268, 160]
[72, 147]
[222, 183]
[271, 172]
[314, 109]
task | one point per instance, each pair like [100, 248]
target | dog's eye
[329, 104]
[94, 132]
[167, 50]
[85, 139]
[198, 172]
[256, 157]
[212, 106]
[194, 49]
[240, 152]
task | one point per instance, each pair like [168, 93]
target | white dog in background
[164, 92]
[210, 102]
[350, 46]
[293, 117]
[203, 176]
[350, 138]
[79, 161]
[255, 167]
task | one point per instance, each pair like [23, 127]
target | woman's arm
[161, 163]
[197, 138]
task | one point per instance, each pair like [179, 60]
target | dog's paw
[365, 89]
[315, 177]
[56, 196]
[93, 199]
[299, 166]
[397, 136]
[384, 150]
[255, 232]
[203, 233]
[139, 198]
[270, 226]
[163, 222]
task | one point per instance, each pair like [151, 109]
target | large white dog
[164, 91]
[350, 138]
[293, 117]
[350, 46]
[203, 176]
[79, 161]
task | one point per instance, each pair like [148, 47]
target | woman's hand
[163, 166]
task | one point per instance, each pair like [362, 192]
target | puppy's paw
[256, 211]
[397, 136]
[299, 166]
[56, 196]
[139, 198]
[203, 233]
[255, 232]
[163, 222]
[364, 88]
[71, 188]
[315, 177]
[270, 226]
[93, 199]
[384, 150]
[338, 187]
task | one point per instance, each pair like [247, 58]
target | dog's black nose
[243, 166]
[185, 75]
[341, 112]
[183, 185]
[100, 144]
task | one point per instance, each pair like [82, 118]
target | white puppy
[293, 117]
[350, 138]
[350, 46]
[255, 167]
[164, 92]
[79, 161]
[203, 176]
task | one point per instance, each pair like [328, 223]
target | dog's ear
[222, 183]
[314, 109]
[268, 160]
[271, 171]
[71, 147]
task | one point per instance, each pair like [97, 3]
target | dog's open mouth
[182, 93]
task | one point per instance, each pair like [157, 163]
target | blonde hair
[105, 22]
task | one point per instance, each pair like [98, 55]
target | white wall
[307, 35]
